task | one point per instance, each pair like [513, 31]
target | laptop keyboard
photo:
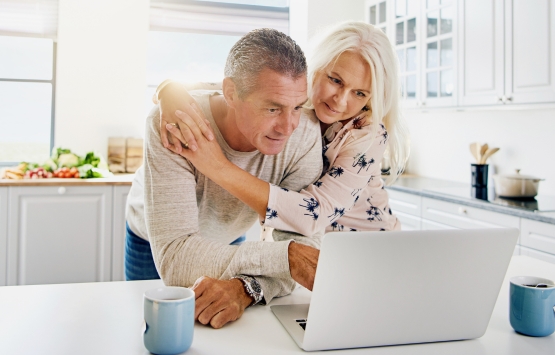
[301, 322]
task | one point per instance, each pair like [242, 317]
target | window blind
[215, 18]
[36, 18]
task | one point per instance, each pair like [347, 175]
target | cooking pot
[516, 185]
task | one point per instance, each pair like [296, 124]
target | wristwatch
[252, 287]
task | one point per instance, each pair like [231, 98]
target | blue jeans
[139, 263]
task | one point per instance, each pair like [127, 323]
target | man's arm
[171, 215]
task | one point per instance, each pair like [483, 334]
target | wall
[440, 142]
[101, 72]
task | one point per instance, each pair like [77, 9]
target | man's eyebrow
[340, 78]
[276, 104]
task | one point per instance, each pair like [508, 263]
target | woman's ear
[230, 92]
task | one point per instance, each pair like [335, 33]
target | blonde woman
[354, 92]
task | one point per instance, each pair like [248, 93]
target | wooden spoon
[483, 151]
[488, 154]
[475, 150]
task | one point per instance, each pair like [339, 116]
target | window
[26, 98]
[27, 79]
[189, 40]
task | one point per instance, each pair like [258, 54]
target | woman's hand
[208, 157]
[174, 96]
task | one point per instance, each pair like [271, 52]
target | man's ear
[230, 92]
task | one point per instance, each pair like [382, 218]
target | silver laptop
[390, 288]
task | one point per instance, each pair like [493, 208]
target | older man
[190, 221]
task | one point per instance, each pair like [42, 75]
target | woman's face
[342, 89]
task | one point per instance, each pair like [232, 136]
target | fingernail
[169, 126]
[210, 137]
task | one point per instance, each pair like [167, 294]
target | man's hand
[219, 301]
[302, 264]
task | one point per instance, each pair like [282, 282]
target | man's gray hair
[261, 49]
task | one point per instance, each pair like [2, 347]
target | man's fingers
[205, 316]
[225, 316]
[189, 128]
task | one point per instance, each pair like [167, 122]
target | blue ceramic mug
[532, 305]
[170, 319]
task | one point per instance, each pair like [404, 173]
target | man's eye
[334, 80]
[298, 108]
[272, 110]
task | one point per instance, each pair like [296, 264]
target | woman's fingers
[202, 122]
[189, 128]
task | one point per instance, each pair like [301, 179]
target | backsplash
[440, 142]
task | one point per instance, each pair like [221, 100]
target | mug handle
[144, 327]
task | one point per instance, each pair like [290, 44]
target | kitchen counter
[459, 193]
[119, 179]
[107, 317]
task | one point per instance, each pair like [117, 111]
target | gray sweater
[190, 221]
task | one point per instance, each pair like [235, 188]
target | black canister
[479, 175]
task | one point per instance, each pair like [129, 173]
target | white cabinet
[465, 217]
[118, 231]
[407, 209]
[3, 234]
[59, 234]
[506, 52]
[538, 237]
[424, 36]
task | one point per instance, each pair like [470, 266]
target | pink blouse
[349, 196]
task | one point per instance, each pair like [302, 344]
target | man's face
[268, 116]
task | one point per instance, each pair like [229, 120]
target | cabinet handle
[500, 99]
[509, 98]
[462, 210]
[61, 190]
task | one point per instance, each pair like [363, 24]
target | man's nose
[287, 123]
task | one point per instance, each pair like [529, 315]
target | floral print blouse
[350, 194]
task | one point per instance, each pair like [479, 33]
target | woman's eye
[334, 80]
[360, 94]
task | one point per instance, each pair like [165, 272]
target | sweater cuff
[274, 259]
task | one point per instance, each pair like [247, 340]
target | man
[190, 221]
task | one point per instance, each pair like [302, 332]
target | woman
[354, 92]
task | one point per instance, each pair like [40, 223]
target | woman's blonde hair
[384, 103]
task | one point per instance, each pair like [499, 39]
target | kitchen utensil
[516, 185]
[483, 150]
[488, 154]
[475, 150]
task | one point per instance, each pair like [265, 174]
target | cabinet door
[409, 222]
[550, 258]
[530, 51]
[3, 234]
[481, 52]
[465, 217]
[59, 234]
[538, 236]
[118, 232]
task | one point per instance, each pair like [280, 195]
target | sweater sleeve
[320, 204]
[180, 253]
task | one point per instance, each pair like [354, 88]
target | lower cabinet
[537, 239]
[65, 234]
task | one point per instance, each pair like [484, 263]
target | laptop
[401, 287]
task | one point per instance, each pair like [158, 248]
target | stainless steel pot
[516, 185]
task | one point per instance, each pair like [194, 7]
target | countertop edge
[477, 204]
[118, 180]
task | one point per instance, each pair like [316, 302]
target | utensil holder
[479, 175]
[480, 193]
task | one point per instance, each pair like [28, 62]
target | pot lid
[520, 176]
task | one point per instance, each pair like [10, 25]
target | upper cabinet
[471, 52]
[506, 52]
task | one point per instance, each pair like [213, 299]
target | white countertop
[106, 318]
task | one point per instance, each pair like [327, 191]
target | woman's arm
[172, 96]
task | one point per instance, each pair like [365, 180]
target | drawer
[408, 221]
[404, 202]
[538, 235]
[431, 225]
[550, 258]
[465, 217]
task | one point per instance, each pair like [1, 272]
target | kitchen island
[107, 318]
